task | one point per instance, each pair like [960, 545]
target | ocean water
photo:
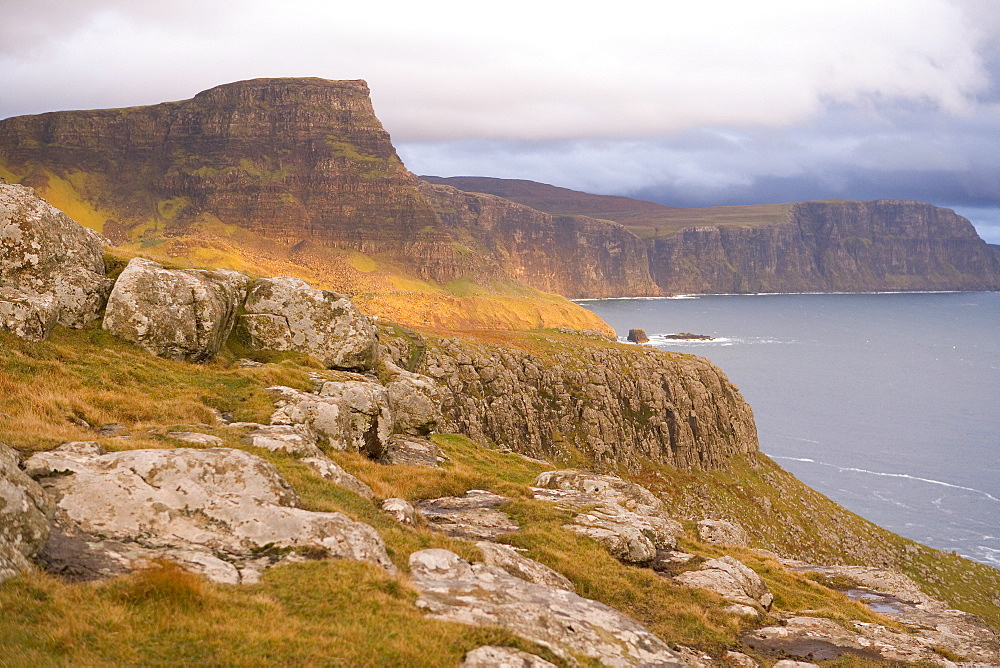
[888, 404]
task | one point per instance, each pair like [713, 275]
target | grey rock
[474, 516]
[287, 314]
[300, 441]
[197, 438]
[180, 314]
[491, 656]
[415, 401]
[51, 268]
[116, 510]
[788, 663]
[351, 415]
[722, 532]
[401, 510]
[24, 524]
[626, 518]
[731, 579]
[454, 590]
[412, 451]
[739, 659]
[510, 560]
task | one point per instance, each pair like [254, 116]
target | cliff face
[832, 246]
[300, 160]
[574, 256]
[613, 405]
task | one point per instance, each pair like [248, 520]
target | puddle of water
[886, 605]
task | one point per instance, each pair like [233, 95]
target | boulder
[412, 451]
[217, 511]
[24, 525]
[474, 516]
[401, 510]
[491, 656]
[584, 487]
[510, 560]
[51, 268]
[287, 314]
[722, 532]
[180, 314]
[731, 579]
[350, 414]
[415, 401]
[452, 589]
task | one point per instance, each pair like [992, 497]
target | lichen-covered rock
[491, 656]
[722, 532]
[287, 314]
[401, 510]
[626, 518]
[196, 438]
[350, 414]
[520, 566]
[730, 578]
[51, 268]
[415, 401]
[299, 440]
[475, 516]
[117, 509]
[181, 314]
[412, 451]
[452, 589]
[24, 525]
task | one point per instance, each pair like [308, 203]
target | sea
[887, 403]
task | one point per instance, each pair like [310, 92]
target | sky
[683, 103]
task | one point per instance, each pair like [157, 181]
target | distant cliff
[301, 161]
[833, 246]
[829, 246]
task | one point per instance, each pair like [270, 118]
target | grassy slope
[340, 611]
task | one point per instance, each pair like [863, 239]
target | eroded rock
[452, 589]
[628, 519]
[412, 451]
[731, 579]
[287, 314]
[180, 314]
[51, 268]
[401, 510]
[113, 510]
[197, 438]
[474, 516]
[520, 566]
[24, 525]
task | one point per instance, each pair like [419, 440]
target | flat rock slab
[731, 579]
[197, 438]
[520, 566]
[474, 516]
[452, 589]
[211, 507]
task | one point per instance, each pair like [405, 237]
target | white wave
[907, 476]
[796, 438]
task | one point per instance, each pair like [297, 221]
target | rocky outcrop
[287, 314]
[454, 590]
[834, 246]
[510, 560]
[574, 256]
[51, 268]
[223, 513]
[181, 314]
[24, 525]
[614, 403]
[722, 532]
[624, 517]
[731, 579]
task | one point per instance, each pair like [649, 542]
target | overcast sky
[724, 102]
